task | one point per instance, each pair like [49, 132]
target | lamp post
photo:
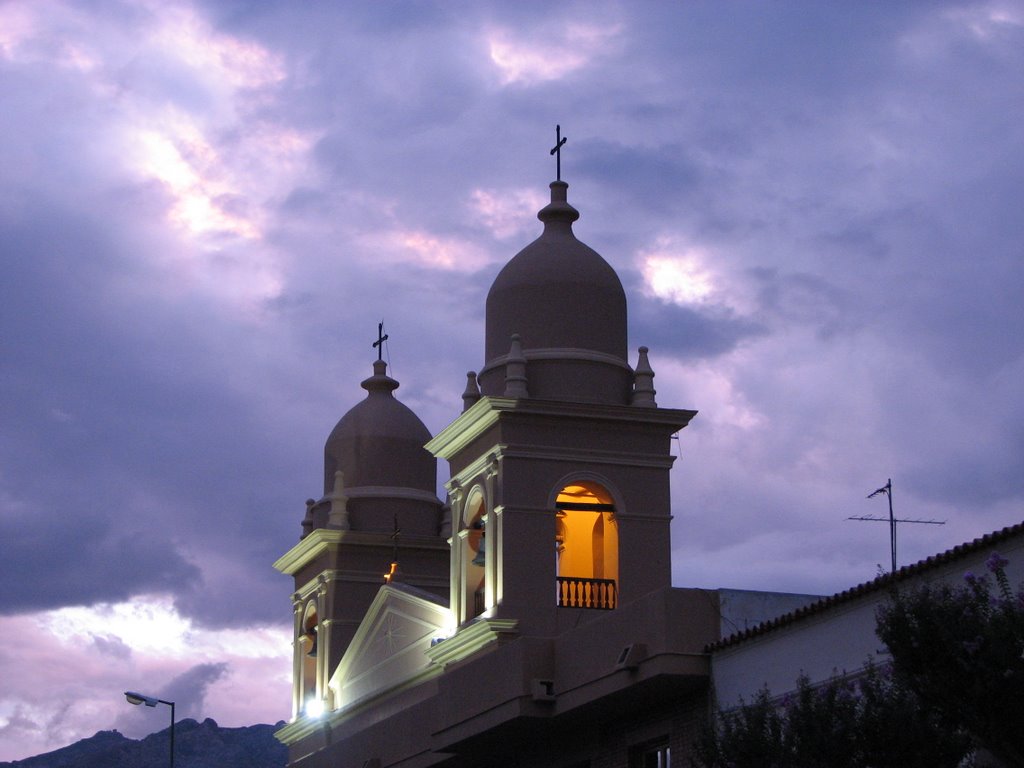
[150, 701]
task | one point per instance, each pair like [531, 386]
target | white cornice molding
[471, 639]
[320, 540]
[471, 423]
[375, 576]
[488, 410]
[479, 466]
[308, 548]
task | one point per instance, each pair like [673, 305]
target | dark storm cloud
[49, 564]
[689, 333]
[807, 300]
[657, 173]
[114, 423]
[987, 477]
[205, 209]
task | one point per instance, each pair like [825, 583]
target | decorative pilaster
[492, 564]
[297, 606]
[323, 639]
[455, 499]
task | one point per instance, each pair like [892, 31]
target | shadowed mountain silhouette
[196, 745]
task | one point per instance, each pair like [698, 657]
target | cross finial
[557, 152]
[381, 338]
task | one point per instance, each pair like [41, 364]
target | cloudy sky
[206, 208]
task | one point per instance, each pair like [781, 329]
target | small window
[653, 754]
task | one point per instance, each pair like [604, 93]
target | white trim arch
[587, 476]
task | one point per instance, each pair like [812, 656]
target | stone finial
[380, 382]
[643, 382]
[472, 393]
[515, 370]
[307, 521]
[338, 517]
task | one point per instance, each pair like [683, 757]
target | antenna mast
[892, 520]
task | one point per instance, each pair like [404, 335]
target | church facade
[530, 618]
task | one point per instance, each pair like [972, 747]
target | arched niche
[586, 545]
[473, 541]
[308, 651]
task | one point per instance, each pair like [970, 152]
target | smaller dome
[378, 446]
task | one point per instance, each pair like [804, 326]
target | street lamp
[150, 701]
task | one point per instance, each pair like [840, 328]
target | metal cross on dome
[557, 152]
[381, 338]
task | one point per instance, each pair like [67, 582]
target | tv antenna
[892, 520]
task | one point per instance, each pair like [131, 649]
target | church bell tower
[379, 484]
[560, 461]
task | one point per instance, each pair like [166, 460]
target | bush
[846, 723]
[960, 649]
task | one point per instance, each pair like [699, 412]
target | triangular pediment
[389, 649]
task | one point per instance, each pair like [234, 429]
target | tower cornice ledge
[470, 640]
[488, 410]
[321, 539]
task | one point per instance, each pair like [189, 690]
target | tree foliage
[956, 682]
[961, 650]
[845, 723]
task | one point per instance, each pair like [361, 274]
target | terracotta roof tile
[957, 552]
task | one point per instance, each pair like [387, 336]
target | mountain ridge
[196, 745]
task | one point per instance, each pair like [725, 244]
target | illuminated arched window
[474, 537]
[308, 653]
[587, 546]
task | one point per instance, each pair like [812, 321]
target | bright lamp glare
[314, 708]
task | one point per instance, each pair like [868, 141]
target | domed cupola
[568, 308]
[378, 447]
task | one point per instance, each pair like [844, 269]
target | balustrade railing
[575, 592]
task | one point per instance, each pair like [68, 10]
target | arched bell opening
[474, 556]
[308, 650]
[586, 546]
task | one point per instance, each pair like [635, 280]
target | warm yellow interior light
[587, 542]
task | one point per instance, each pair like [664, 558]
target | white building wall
[836, 640]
